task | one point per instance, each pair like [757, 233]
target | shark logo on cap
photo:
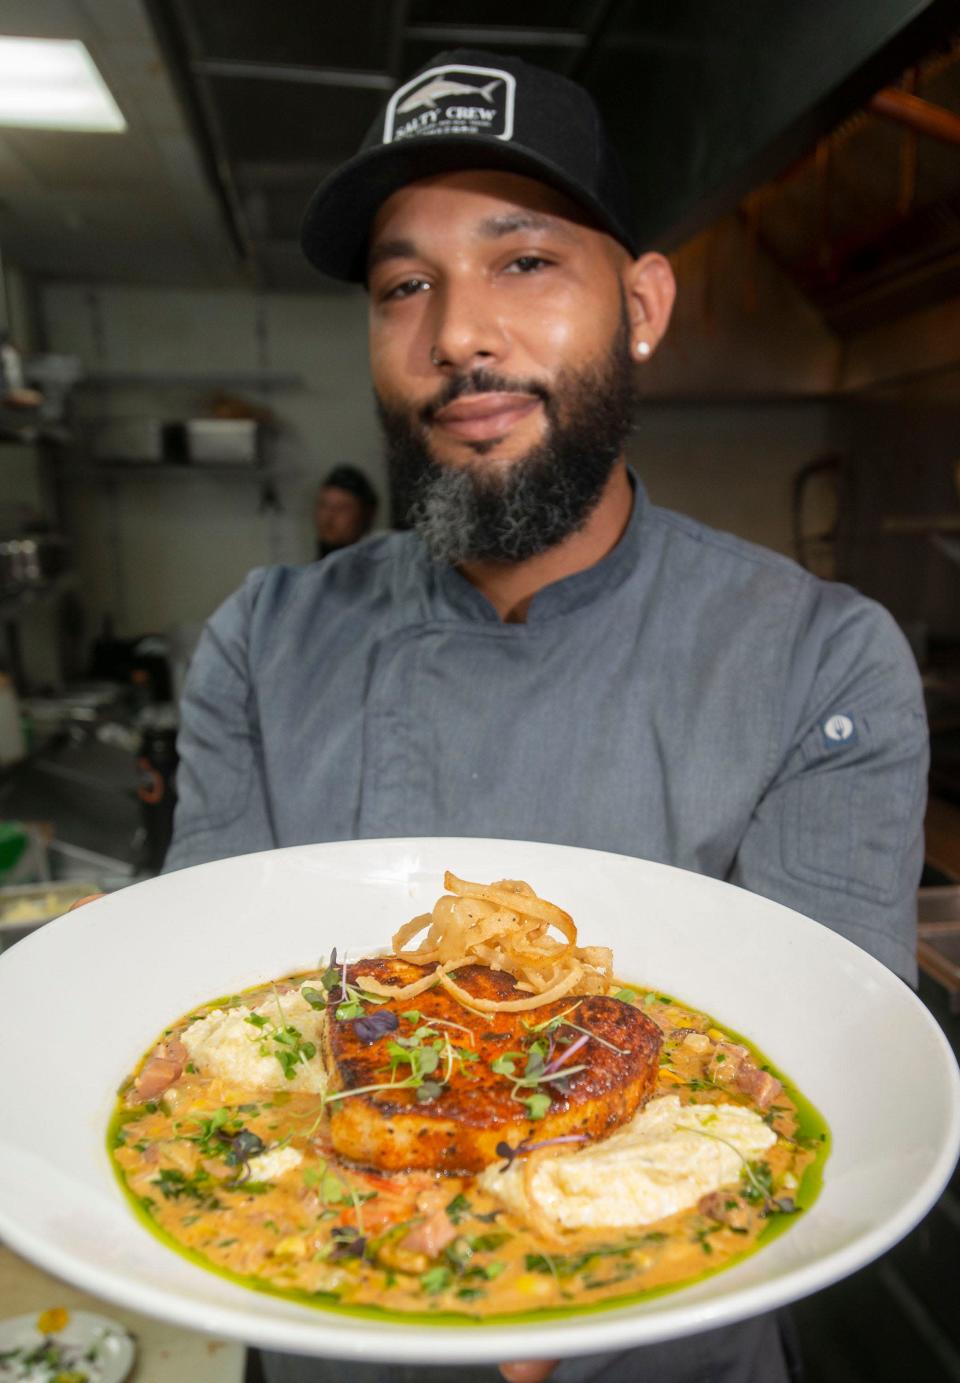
[452, 101]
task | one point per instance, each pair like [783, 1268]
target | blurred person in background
[344, 509]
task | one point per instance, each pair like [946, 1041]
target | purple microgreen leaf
[372, 1026]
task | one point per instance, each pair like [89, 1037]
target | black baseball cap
[470, 109]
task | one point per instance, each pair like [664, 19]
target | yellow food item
[55, 1319]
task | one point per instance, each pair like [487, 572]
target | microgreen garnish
[372, 1026]
[414, 1015]
[536, 1104]
[550, 1025]
[537, 1072]
[429, 1091]
[288, 1043]
[222, 1134]
[505, 1151]
[423, 1062]
[348, 1242]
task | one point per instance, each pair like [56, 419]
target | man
[344, 509]
[547, 655]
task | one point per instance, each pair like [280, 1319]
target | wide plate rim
[613, 1328]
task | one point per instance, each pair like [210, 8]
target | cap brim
[337, 222]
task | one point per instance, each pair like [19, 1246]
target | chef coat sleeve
[221, 802]
[838, 835]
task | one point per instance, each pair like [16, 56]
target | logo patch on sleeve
[839, 730]
[453, 100]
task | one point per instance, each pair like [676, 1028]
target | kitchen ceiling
[137, 206]
[239, 107]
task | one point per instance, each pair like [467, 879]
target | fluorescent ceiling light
[53, 84]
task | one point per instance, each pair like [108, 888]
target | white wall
[732, 466]
[159, 549]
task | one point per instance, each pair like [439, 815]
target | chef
[547, 655]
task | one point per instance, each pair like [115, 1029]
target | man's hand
[90, 898]
[529, 1370]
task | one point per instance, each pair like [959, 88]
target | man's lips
[482, 416]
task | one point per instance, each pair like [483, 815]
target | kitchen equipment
[25, 907]
[31, 559]
[223, 439]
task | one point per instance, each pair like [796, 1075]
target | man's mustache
[480, 382]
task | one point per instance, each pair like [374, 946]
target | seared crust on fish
[458, 1132]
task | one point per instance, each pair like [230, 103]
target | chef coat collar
[563, 596]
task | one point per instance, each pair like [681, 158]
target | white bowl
[82, 999]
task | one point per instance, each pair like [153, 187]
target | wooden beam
[916, 113]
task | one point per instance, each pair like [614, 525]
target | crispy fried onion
[505, 926]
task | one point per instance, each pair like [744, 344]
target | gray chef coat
[690, 699]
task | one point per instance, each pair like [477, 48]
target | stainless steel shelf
[161, 379]
[166, 470]
[17, 602]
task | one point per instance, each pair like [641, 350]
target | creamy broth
[244, 1179]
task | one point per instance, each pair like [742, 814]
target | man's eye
[406, 289]
[527, 264]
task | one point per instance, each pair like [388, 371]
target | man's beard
[517, 510]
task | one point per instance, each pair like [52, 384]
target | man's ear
[650, 290]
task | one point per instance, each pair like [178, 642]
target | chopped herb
[486, 1243]
[435, 1281]
[174, 1185]
[626, 996]
[313, 996]
[458, 1208]
[758, 1179]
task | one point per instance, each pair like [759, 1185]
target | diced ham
[722, 1206]
[726, 1062]
[160, 1071]
[759, 1085]
[431, 1236]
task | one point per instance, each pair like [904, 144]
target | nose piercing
[434, 356]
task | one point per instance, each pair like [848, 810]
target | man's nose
[465, 330]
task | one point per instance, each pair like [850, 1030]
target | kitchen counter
[165, 1353]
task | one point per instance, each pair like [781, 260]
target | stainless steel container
[31, 560]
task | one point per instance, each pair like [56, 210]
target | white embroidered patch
[453, 100]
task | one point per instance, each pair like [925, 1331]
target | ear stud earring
[643, 347]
